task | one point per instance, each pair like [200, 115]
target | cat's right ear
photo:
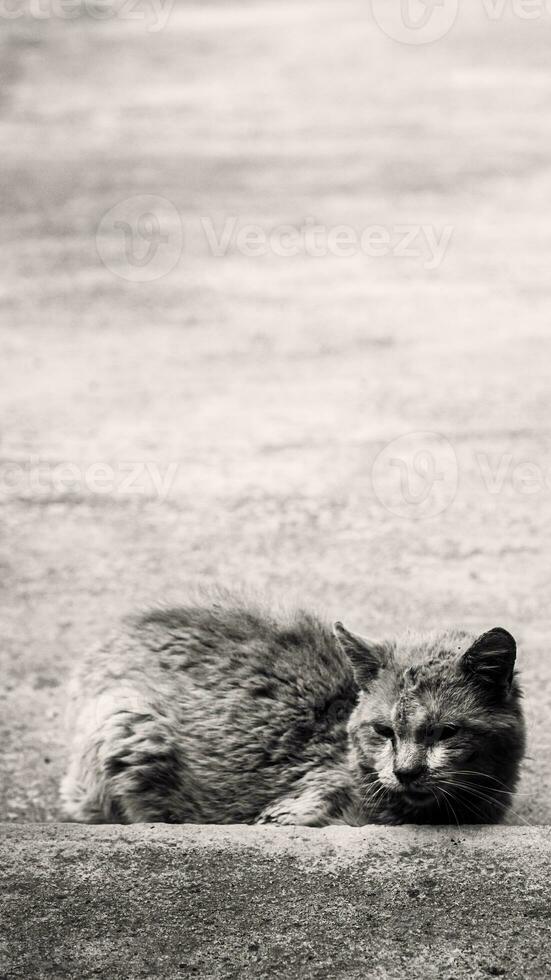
[491, 659]
[366, 657]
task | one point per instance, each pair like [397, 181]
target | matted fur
[221, 712]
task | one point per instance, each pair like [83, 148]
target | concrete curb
[189, 901]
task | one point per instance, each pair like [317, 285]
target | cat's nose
[408, 776]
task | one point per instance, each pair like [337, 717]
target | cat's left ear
[491, 659]
[366, 657]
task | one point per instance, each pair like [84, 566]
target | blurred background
[275, 311]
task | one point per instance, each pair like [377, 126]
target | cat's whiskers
[378, 791]
[448, 803]
[469, 807]
[485, 798]
[372, 804]
[466, 787]
[506, 807]
[475, 810]
[508, 792]
[486, 775]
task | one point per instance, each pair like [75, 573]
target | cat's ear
[366, 657]
[491, 659]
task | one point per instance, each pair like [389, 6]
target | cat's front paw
[292, 815]
[277, 819]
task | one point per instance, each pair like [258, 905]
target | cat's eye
[448, 731]
[441, 733]
[385, 731]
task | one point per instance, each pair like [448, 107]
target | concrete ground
[263, 388]
[369, 904]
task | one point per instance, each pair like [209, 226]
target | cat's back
[222, 646]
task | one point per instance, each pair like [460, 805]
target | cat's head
[438, 725]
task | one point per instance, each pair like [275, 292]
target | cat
[221, 712]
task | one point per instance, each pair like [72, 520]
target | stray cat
[222, 713]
